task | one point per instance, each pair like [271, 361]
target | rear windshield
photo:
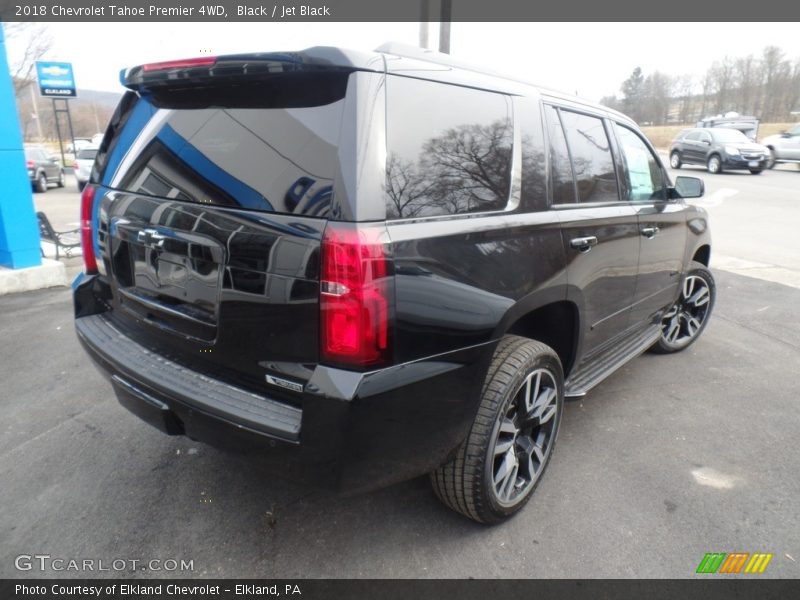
[258, 148]
[87, 154]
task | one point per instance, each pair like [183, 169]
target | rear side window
[87, 154]
[592, 162]
[561, 165]
[449, 149]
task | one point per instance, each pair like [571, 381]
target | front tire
[714, 164]
[675, 160]
[512, 439]
[685, 320]
[771, 159]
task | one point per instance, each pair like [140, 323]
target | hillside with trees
[766, 86]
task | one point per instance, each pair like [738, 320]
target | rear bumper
[348, 431]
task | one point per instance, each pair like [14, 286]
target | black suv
[718, 148]
[372, 266]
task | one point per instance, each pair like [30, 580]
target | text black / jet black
[371, 266]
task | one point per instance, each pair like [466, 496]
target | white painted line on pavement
[715, 198]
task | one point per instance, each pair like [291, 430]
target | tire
[714, 164]
[771, 159]
[675, 160]
[60, 182]
[685, 320]
[41, 183]
[525, 378]
[756, 171]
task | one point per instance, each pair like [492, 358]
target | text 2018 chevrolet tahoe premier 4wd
[372, 266]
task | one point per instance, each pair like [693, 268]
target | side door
[51, 165]
[703, 146]
[692, 148]
[662, 226]
[599, 230]
[793, 144]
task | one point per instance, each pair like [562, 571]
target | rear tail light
[29, 164]
[87, 243]
[356, 296]
[183, 63]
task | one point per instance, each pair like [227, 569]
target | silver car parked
[783, 147]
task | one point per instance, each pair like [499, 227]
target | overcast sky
[591, 59]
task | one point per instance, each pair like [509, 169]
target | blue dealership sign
[56, 79]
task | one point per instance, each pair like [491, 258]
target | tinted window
[235, 146]
[87, 154]
[560, 164]
[449, 149]
[534, 176]
[643, 174]
[591, 157]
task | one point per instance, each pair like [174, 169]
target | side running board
[590, 373]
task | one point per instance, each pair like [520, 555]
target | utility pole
[444, 26]
[424, 25]
[36, 111]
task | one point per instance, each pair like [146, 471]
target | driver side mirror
[687, 187]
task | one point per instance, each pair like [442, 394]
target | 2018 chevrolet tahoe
[372, 266]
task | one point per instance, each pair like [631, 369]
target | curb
[50, 273]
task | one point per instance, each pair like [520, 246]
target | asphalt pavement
[668, 459]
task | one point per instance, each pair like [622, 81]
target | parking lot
[670, 458]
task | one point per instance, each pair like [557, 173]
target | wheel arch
[555, 322]
[703, 254]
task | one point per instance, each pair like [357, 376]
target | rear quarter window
[449, 149]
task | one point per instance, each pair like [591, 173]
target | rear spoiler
[205, 69]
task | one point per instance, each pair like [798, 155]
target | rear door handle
[650, 232]
[584, 244]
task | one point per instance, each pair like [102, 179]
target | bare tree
[746, 83]
[34, 41]
[684, 86]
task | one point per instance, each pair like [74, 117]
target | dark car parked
[718, 148]
[43, 168]
[372, 266]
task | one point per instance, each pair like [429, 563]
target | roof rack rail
[439, 58]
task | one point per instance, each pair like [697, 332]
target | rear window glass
[592, 163]
[87, 154]
[227, 150]
[560, 164]
[449, 149]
